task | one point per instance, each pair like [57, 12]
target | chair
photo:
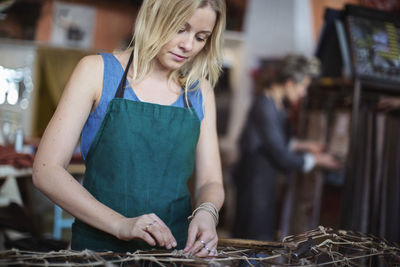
[60, 222]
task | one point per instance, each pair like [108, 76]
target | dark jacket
[264, 155]
[267, 133]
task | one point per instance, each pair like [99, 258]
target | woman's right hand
[309, 146]
[148, 227]
[326, 160]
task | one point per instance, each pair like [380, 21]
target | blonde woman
[144, 116]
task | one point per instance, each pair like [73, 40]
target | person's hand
[389, 103]
[229, 151]
[310, 146]
[314, 147]
[148, 227]
[327, 161]
[202, 235]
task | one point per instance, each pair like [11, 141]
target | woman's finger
[148, 238]
[169, 238]
[209, 248]
[161, 232]
[198, 246]
[213, 245]
[201, 244]
[152, 228]
[192, 233]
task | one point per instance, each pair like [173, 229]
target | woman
[141, 129]
[266, 152]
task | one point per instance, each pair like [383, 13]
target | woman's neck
[276, 93]
[156, 86]
[156, 72]
[159, 72]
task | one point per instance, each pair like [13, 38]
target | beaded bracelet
[209, 207]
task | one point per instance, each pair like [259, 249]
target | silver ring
[150, 224]
[204, 243]
[207, 248]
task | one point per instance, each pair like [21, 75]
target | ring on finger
[203, 243]
[147, 227]
[150, 224]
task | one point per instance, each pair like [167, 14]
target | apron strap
[122, 84]
[121, 87]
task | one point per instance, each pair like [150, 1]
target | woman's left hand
[202, 236]
[310, 146]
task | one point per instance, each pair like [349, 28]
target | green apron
[139, 163]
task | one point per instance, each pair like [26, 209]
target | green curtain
[54, 66]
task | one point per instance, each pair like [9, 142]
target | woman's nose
[186, 43]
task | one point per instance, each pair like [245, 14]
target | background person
[266, 152]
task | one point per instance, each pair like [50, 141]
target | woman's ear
[288, 86]
[289, 83]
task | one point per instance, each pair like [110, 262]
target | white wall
[303, 27]
[277, 27]
[14, 55]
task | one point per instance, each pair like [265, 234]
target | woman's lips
[178, 57]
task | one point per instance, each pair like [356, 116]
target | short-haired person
[266, 152]
[144, 117]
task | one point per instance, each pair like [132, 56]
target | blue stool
[59, 222]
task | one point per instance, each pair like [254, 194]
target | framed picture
[73, 25]
[387, 5]
[236, 10]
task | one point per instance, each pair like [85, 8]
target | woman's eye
[201, 38]
[181, 30]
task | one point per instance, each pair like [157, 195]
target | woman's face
[189, 40]
[295, 91]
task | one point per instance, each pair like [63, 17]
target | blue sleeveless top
[113, 72]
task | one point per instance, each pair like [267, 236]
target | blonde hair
[157, 23]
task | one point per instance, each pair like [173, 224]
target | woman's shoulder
[90, 64]
[204, 84]
[263, 105]
[205, 88]
[88, 75]
[260, 99]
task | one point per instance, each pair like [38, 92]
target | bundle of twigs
[322, 247]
